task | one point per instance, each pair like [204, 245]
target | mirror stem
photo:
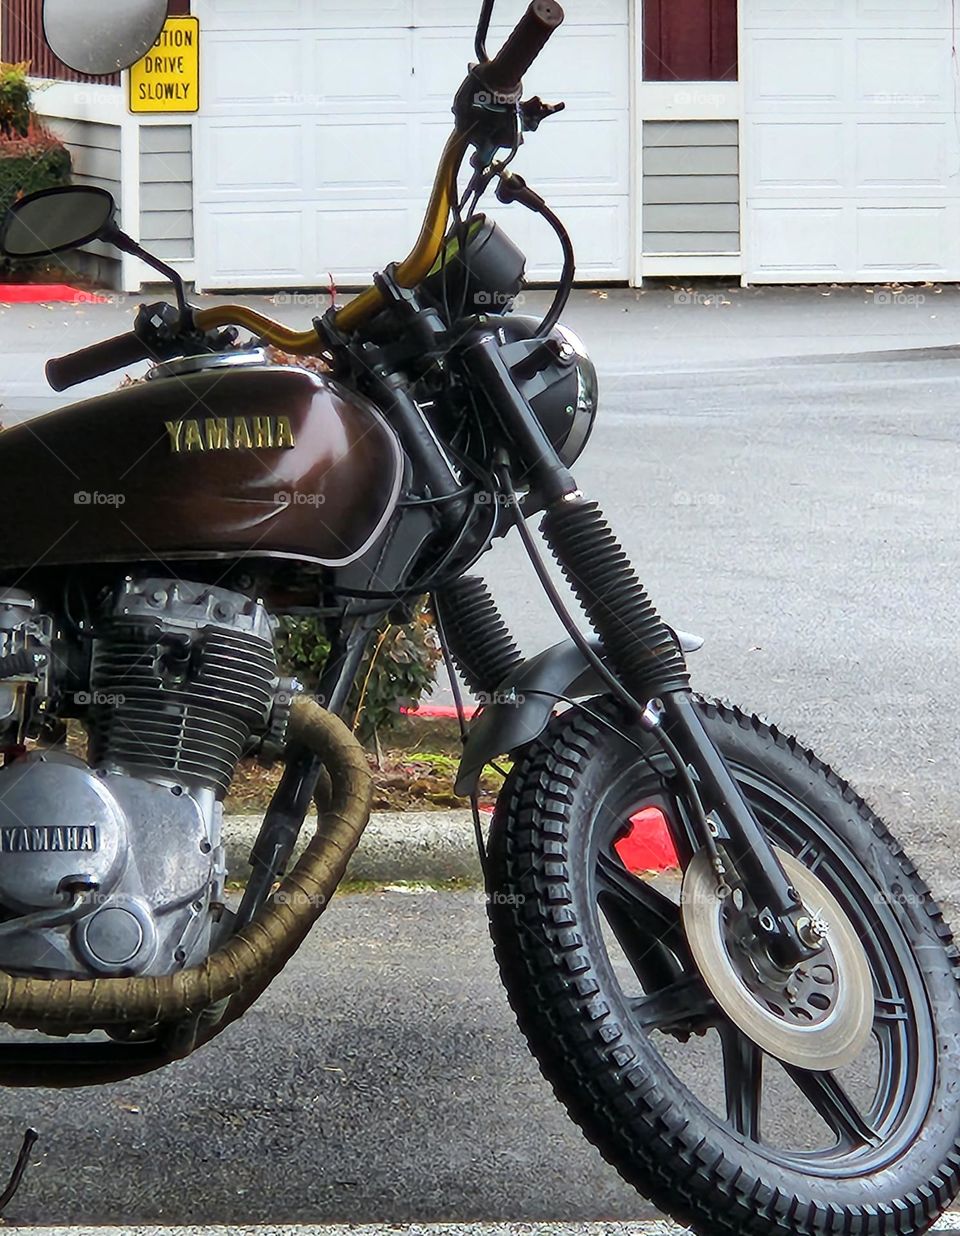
[113, 235]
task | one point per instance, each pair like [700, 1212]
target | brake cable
[30, 1139]
[514, 188]
[483, 29]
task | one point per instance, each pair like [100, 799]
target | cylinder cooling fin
[183, 676]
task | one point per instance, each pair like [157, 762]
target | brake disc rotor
[817, 1016]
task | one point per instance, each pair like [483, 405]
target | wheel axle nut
[813, 931]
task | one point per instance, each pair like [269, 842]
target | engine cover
[104, 873]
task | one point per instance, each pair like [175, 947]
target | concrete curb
[433, 846]
[396, 846]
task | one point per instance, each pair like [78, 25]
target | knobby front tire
[606, 994]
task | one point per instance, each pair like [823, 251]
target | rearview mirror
[54, 220]
[100, 39]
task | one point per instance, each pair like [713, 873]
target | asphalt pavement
[654, 1227]
[382, 1080]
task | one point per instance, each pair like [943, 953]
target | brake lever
[533, 112]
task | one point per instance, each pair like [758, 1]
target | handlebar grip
[506, 70]
[95, 361]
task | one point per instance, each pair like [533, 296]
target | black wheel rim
[646, 924]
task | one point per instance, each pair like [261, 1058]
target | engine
[114, 865]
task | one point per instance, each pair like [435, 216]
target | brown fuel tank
[241, 461]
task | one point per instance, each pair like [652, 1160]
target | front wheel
[727, 1136]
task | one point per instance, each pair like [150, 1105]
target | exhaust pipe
[250, 960]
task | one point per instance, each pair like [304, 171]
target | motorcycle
[425, 420]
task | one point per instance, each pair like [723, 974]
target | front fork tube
[645, 654]
[781, 917]
[640, 647]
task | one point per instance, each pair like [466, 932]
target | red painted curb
[439, 712]
[648, 845]
[46, 293]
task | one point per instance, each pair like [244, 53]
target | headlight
[584, 408]
[564, 396]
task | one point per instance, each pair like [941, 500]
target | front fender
[521, 708]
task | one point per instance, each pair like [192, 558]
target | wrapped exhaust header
[250, 960]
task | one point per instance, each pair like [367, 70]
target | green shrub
[31, 158]
[399, 668]
[14, 100]
[37, 161]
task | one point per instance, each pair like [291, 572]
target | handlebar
[502, 74]
[93, 362]
[505, 71]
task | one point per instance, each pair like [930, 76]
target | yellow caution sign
[167, 79]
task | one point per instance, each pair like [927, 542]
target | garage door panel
[788, 154]
[340, 117]
[791, 68]
[908, 155]
[921, 12]
[251, 247]
[440, 64]
[789, 238]
[280, 166]
[248, 14]
[363, 70]
[354, 253]
[763, 14]
[239, 76]
[860, 14]
[362, 14]
[363, 159]
[922, 70]
[895, 238]
[601, 163]
[585, 67]
[586, 222]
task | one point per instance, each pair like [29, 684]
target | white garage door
[851, 143]
[323, 121]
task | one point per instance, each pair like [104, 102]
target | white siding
[166, 193]
[691, 186]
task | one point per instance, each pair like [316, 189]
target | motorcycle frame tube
[292, 798]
